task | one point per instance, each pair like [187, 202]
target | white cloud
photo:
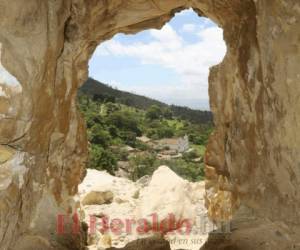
[116, 84]
[189, 27]
[168, 49]
[185, 12]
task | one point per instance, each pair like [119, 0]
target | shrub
[167, 113]
[142, 146]
[154, 112]
[98, 135]
[188, 156]
[102, 159]
[121, 154]
[129, 138]
[187, 170]
[125, 120]
[165, 132]
[113, 131]
[142, 165]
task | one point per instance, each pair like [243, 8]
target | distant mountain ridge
[99, 90]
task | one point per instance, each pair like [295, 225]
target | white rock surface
[163, 194]
[101, 181]
[167, 194]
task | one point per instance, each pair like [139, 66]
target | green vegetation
[104, 93]
[116, 129]
[147, 164]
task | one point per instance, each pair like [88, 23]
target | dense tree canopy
[113, 126]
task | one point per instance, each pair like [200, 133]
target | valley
[131, 136]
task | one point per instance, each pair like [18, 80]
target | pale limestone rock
[165, 193]
[107, 187]
[254, 95]
[98, 198]
[121, 205]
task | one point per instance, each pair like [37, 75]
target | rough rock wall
[254, 99]
[252, 158]
[45, 136]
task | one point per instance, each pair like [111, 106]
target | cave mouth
[134, 128]
[251, 159]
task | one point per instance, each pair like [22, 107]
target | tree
[129, 138]
[165, 132]
[125, 120]
[142, 165]
[102, 159]
[167, 113]
[99, 136]
[113, 131]
[111, 107]
[154, 112]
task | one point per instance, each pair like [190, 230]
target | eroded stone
[254, 95]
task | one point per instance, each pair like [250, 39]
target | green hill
[102, 92]
[132, 135]
[133, 142]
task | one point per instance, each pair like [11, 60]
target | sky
[5, 76]
[170, 65]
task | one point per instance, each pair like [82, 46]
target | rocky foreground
[119, 211]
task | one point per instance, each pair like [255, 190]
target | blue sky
[170, 64]
[5, 76]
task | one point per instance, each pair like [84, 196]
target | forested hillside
[129, 141]
[103, 92]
